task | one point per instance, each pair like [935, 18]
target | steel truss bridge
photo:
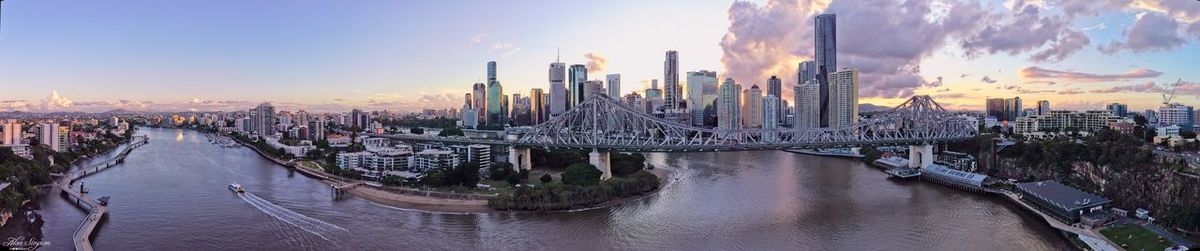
[603, 124]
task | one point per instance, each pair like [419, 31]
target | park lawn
[1134, 237]
[311, 165]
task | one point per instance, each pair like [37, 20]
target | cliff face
[1172, 198]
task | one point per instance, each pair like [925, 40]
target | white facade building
[729, 115]
[843, 98]
[752, 110]
[808, 105]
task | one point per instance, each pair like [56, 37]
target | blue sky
[401, 55]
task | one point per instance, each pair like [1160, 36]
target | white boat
[236, 187]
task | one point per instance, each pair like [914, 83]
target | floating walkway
[96, 209]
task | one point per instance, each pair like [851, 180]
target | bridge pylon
[520, 158]
[601, 161]
[920, 156]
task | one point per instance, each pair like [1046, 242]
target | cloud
[964, 75]
[987, 79]
[14, 105]
[1041, 82]
[1099, 26]
[504, 48]
[943, 90]
[949, 95]
[1143, 87]
[1151, 32]
[597, 63]
[936, 83]
[1034, 72]
[55, 102]
[1025, 29]
[1070, 92]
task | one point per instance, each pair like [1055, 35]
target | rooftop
[1062, 196]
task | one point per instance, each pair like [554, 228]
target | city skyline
[1068, 60]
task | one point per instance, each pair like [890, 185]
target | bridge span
[603, 125]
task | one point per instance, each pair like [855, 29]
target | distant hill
[872, 108]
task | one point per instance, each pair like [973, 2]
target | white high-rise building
[1177, 114]
[808, 107]
[559, 99]
[12, 132]
[752, 110]
[770, 115]
[729, 102]
[614, 86]
[702, 91]
[54, 136]
[592, 88]
[843, 98]
[262, 119]
[671, 88]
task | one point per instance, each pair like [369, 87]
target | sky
[406, 55]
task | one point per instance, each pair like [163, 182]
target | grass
[1134, 237]
[311, 165]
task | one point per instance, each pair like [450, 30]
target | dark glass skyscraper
[577, 74]
[775, 87]
[671, 80]
[826, 48]
[491, 71]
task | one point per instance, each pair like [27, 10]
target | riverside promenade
[96, 210]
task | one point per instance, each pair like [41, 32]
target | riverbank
[427, 202]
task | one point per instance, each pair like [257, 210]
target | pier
[96, 209]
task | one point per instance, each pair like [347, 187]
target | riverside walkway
[96, 210]
[1092, 238]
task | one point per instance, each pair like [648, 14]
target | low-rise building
[957, 160]
[1063, 121]
[1061, 201]
[430, 159]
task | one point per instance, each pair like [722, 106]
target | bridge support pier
[601, 161]
[920, 156]
[519, 158]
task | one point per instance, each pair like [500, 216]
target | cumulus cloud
[597, 63]
[988, 79]
[506, 49]
[1038, 73]
[55, 102]
[1026, 28]
[14, 105]
[1151, 32]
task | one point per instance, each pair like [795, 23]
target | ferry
[236, 188]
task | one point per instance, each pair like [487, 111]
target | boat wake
[308, 224]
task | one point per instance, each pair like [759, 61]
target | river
[171, 195]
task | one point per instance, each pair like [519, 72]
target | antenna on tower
[557, 53]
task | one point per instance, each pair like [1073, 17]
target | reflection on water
[172, 195]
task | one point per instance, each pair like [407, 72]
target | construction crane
[1170, 94]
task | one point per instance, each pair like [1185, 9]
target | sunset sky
[405, 55]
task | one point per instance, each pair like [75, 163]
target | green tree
[513, 179]
[416, 130]
[546, 178]
[451, 131]
[581, 174]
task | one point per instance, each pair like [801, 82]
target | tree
[624, 164]
[546, 178]
[513, 179]
[1140, 120]
[416, 130]
[581, 174]
[1188, 134]
[450, 131]
[500, 170]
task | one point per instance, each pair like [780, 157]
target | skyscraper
[614, 86]
[491, 71]
[806, 71]
[537, 114]
[671, 80]
[559, 101]
[752, 111]
[826, 58]
[262, 119]
[52, 135]
[775, 87]
[843, 98]
[654, 98]
[578, 77]
[808, 105]
[771, 110]
[729, 105]
[702, 91]
[495, 104]
[592, 88]
[1118, 109]
[1012, 109]
[995, 108]
[1043, 107]
[479, 94]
